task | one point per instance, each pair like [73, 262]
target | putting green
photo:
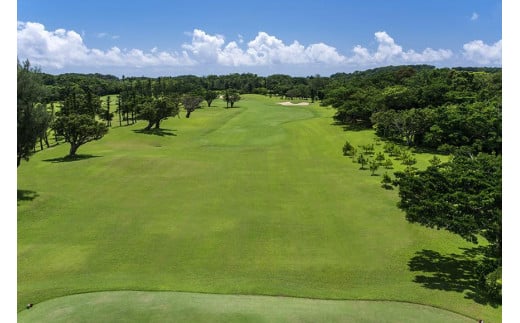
[133, 306]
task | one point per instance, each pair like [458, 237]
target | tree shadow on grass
[156, 132]
[25, 195]
[70, 159]
[453, 272]
[351, 126]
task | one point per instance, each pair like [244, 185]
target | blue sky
[160, 37]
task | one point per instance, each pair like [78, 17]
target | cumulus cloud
[479, 52]
[265, 49]
[204, 46]
[388, 52]
[474, 16]
[60, 48]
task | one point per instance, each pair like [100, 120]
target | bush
[348, 149]
[386, 182]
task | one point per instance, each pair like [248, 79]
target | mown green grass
[257, 199]
[132, 306]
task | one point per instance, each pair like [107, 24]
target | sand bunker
[289, 103]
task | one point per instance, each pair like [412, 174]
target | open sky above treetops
[299, 38]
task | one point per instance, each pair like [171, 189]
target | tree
[43, 119]
[119, 108]
[408, 160]
[81, 101]
[292, 93]
[386, 182]
[355, 104]
[148, 112]
[155, 110]
[190, 103]
[348, 149]
[368, 149]
[166, 107]
[231, 96]
[317, 84]
[373, 165]
[398, 97]
[78, 129]
[463, 196]
[388, 163]
[209, 96]
[362, 160]
[411, 124]
[435, 161]
[380, 157]
[29, 126]
[477, 125]
[106, 114]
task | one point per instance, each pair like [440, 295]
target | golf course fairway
[231, 203]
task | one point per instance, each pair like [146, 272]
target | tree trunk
[149, 126]
[46, 139]
[41, 143]
[19, 159]
[119, 108]
[188, 114]
[73, 149]
[157, 124]
[409, 138]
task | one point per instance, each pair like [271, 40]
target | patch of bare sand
[290, 103]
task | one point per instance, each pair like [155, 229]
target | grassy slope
[251, 200]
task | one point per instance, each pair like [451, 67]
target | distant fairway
[253, 200]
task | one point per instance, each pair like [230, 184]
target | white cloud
[60, 48]
[205, 47]
[264, 50]
[479, 52]
[53, 49]
[324, 54]
[388, 52]
[474, 16]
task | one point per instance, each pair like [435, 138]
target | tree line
[422, 106]
[57, 87]
[456, 111]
